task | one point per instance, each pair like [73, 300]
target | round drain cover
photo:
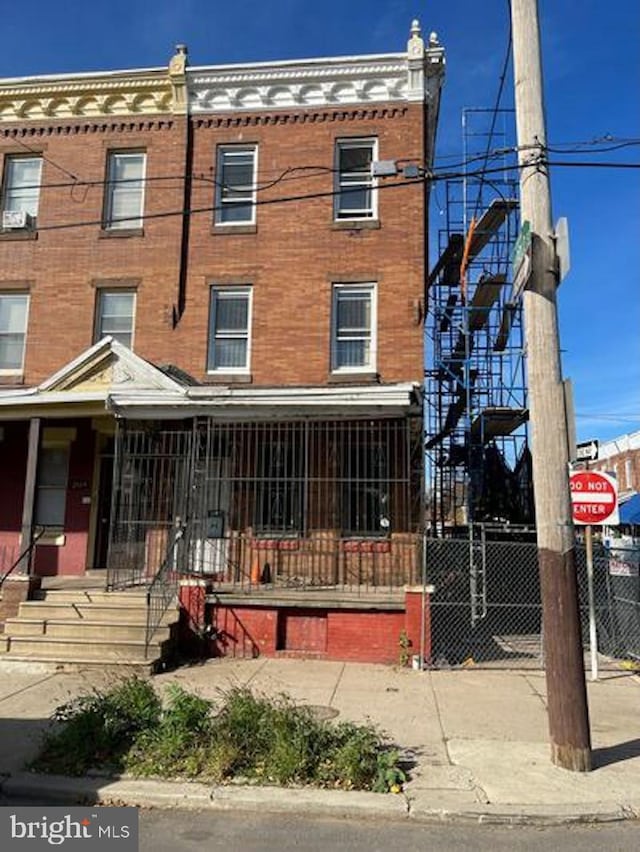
[322, 713]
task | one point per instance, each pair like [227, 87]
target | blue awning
[630, 510]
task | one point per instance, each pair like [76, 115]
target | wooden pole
[564, 665]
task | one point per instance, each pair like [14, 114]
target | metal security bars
[304, 504]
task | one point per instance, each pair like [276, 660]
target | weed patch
[243, 736]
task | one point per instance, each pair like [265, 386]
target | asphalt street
[178, 831]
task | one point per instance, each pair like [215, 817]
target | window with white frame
[115, 315]
[51, 486]
[356, 196]
[229, 329]
[236, 184]
[21, 188]
[628, 474]
[124, 198]
[14, 309]
[353, 345]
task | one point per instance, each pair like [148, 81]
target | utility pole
[564, 664]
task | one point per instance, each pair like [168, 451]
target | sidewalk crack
[335, 688]
[535, 691]
[445, 742]
[29, 686]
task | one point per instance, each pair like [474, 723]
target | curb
[190, 795]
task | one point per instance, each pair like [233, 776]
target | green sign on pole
[522, 245]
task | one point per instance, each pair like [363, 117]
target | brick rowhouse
[301, 303]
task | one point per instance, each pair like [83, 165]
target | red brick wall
[62, 266]
[332, 634]
[13, 461]
[291, 260]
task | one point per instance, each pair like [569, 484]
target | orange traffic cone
[255, 571]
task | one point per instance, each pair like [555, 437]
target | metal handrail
[162, 589]
[35, 537]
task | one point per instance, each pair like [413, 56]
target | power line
[428, 176]
[494, 117]
[46, 159]
[290, 173]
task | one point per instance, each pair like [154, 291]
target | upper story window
[229, 329]
[356, 196]
[353, 342]
[236, 185]
[124, 196]
[14, 308]
[21, 192]
[115, 313]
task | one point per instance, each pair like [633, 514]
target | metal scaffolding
[477, 463]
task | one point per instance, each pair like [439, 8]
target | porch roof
[263, 403]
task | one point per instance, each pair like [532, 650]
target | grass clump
[242, 737]
[98, 729]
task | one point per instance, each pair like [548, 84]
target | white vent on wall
[16, 219]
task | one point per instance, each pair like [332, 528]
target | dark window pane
[230, 353]
[354, 312]
[234, 212]
[355, 159]
[232, 313]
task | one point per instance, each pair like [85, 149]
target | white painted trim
[371, 287]
[345, 142]
[221, 149]
[236, 403]
[240, 289]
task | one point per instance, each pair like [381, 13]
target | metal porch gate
[151, 492]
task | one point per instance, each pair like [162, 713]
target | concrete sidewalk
[477, 740]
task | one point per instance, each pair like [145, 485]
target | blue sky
[592, 86]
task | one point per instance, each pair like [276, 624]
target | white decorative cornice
[349, 80]
[315, 82]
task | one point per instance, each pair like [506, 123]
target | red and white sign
[594, 498]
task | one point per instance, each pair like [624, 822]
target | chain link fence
[486, 609]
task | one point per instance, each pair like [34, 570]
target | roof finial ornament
[178, 79]
[415, 45]
[179, 60]
[434, 41]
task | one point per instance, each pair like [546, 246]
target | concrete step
[83, 629]
[88, 611]
[79, 650]
[135, 597]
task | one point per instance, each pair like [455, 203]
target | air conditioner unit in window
[13, 220]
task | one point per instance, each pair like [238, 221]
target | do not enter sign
[594, 498]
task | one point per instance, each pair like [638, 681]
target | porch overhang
[54, 405]
[229, 403]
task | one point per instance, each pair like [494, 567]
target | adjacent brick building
[211, 305]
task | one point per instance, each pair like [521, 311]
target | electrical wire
[46, 159]
[428, 176]
[299, 172]
[494, 117]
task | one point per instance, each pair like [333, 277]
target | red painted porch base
[354, 635]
